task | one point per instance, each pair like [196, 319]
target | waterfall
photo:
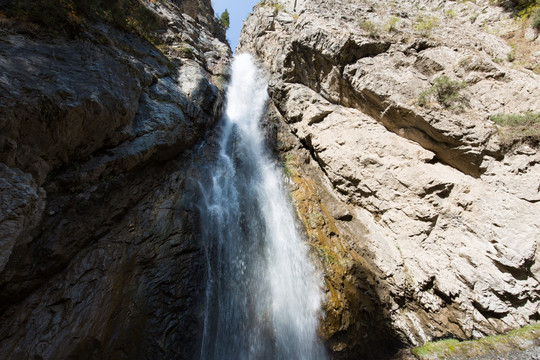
[263, 295]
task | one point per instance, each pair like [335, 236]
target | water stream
[263, 295]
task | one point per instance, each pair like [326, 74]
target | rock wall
[424, 220]
[99, 254]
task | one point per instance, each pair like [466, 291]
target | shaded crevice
[446, 298]
[441, 190]
[409, 125]
[488, 313]
[532, 201]
[522, 273]
[405, 123]
[305, 143]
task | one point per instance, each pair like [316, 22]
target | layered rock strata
[424, 220]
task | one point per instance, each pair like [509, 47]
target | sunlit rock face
[424, 217]
[421, 215]
[100, 256]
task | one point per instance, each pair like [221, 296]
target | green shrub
[224, 19]
[515, 127]
[527, 119]
[277, 7]
[288, 165]
[391, 25]
[511, 56]
[139, 19]
[369, 27]
[498, 344]
[446, 91]
[535, 22]
[424, 24]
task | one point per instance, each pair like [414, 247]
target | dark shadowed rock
[99, 253]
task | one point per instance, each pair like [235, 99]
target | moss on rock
[521, 339]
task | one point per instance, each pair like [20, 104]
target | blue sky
[238, 11]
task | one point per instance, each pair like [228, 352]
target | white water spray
[263, 295]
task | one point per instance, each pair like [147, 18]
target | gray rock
[103, 260]
[531, 34]
[21, 205]
[444, 227]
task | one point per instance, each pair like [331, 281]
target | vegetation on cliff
[516, 339]
[535, 23]
[224, 19]
[446, 91]
[516, 127]
[526, 15]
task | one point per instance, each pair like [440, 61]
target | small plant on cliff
[511, 56]
[424, 25]
[224, 19]
[277, 7]
[515, 127]
[474, 348]
[535, 22]
[271, 3]
[287, 164]
[445, 91]
[391, 24]
[369, 27]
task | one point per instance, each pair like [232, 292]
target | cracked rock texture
[425, 223]
[99, 257]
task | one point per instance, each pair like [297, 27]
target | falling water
[263, 296]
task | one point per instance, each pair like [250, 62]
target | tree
[224, 19]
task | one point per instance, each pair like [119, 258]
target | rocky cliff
[98, 253]
[408, 130]
[422, 211]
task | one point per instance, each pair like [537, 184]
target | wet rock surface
[423, 222]
[99, 250]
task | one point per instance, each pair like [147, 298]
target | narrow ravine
[263, 295]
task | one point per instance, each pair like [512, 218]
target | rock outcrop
[424, 219]
[421, 214]
[98, 250]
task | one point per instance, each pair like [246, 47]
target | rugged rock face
[98, 250]
[424, 220]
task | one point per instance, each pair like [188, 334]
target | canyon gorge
[389, 127]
